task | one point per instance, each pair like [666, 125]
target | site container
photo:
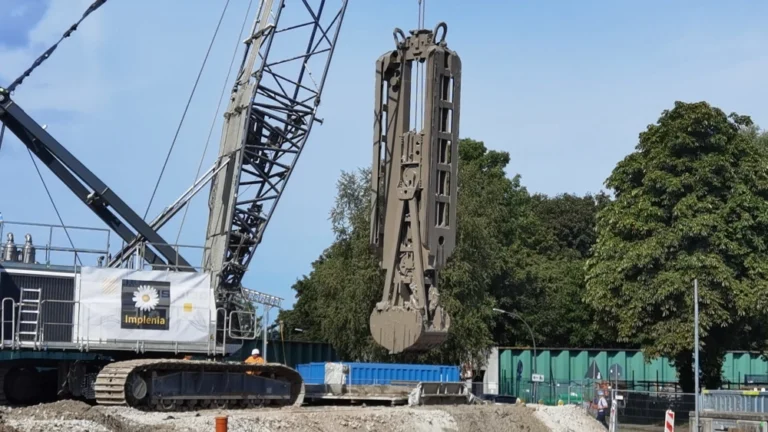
[312, 373]
[382, 373]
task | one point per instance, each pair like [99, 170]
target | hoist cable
[55, 209]
[189, 102]
[216, 115]
[92, 8]
[418, 81]
[2, 134]
[419, 100]
[422, 68]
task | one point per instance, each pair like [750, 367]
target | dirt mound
[568, 418]
[495, 418]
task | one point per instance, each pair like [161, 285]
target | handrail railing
[37, 230]
[141, 248]
[86, 336]
[240, 337]
[84, 342]
[3, 322]
[100, 247]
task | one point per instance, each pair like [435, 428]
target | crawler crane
[114, 332]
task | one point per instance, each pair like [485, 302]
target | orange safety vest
[254, 360]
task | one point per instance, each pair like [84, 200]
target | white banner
[158, 306]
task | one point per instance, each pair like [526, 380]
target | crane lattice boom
[270, 115]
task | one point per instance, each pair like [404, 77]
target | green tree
[567, 235]
[302, 323]
[690, 202]
[568, 222]
[558, 235]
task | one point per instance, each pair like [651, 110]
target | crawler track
[163, 385]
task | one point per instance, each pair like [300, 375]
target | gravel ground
[568, 418]
[73, 416]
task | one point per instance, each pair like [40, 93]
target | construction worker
[602, 407]
[254, 358]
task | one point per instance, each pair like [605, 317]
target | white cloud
[60, 83]
[19, 11]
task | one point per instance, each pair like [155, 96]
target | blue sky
[564, 87]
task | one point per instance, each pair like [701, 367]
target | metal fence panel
[734, 401]
[650, 407]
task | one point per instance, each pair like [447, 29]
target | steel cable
[186, 108]
[92, 8]
[55, 209]
[216, 115]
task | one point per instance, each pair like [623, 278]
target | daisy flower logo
[146, 298]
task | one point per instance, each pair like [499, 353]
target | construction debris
[75, 416]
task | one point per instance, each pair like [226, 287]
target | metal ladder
[29, 311]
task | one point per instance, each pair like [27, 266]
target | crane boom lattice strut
[414, 189]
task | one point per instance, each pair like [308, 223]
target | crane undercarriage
[168, 385]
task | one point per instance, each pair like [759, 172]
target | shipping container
[383, 373]
[312, 373]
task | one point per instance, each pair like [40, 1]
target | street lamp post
[696, 346]
[533, 338]
[530, 331]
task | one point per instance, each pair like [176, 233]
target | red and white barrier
[669, 422]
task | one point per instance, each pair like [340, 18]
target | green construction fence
[575, 368]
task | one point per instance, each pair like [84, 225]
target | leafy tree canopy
[690, 202]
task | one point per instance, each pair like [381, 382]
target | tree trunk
[711, 364]
[684, 364]
[711, 368]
